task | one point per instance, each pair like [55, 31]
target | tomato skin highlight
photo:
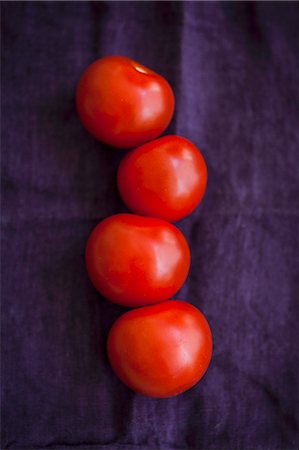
[165, 178]
[135, 261]
[122, 103]
[160, 350]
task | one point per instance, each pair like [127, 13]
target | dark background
[234, 69]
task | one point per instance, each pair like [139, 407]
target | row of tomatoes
[163, 347]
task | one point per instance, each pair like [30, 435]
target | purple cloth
[234, 69]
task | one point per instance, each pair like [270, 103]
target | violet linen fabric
[234, 68]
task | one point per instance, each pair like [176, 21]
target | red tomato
[122, 103]
[165, 178]
[160, 350]
[135, 261]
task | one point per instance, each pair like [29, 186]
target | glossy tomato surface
[135, 261]
[160, 350]
[165, 178]
[123, 103]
